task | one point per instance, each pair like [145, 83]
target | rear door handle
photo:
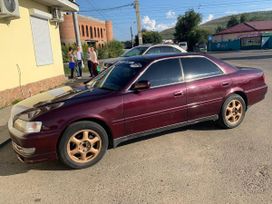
[179, 93]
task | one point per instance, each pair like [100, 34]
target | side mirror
[141, 85]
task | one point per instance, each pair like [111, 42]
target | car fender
[233, 90]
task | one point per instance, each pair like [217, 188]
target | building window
[87, 31]
[101, 30]
[91, 32]
[98, 32]
[82, 30]
[42, 41]
[95, 32]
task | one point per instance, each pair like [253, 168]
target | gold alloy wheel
[234, 112]
[84, 146]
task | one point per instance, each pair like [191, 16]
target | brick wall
[91, 29]
[7, 97]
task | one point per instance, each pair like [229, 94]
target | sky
[159, 15]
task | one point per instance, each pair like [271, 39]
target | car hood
[57, 96]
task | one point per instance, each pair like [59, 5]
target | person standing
[79, 56]
[72, 63]
[92, 62]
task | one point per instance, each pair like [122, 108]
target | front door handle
[178, 93]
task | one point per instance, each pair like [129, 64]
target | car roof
[151, 58]
[157, 45]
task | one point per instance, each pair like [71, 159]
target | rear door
[161, 105]
[206, 86]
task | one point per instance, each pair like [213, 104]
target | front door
[161, 105]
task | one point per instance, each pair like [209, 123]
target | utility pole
[76, 28]
[139, 25]
[131, 34]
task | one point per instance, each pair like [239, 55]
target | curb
[4, 136]
[4, 143]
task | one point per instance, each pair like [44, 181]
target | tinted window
[154, 50]
[198, 67]
[163, 73]
[135, 51]
[169, 50]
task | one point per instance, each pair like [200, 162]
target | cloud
[151, 24]
[209, 18]
[171, 14]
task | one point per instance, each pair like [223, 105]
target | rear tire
[83, 144]
[232, 112]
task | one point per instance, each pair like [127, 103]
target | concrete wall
[17, 48]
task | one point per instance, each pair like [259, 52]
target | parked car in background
[202, 47]
[146, 49]
[183, 45]
[133, 98]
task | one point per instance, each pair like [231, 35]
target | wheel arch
[91, 119]
[243, 95]
[239, 92]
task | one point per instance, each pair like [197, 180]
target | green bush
[111, 50]
[65, 50]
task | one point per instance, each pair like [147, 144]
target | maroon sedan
[133, 98]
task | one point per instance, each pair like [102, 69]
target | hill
[213, 24]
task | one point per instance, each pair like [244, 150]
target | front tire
[232, 112]
[83, 144]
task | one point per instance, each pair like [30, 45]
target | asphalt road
[197, 164]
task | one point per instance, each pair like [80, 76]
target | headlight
[27, 127]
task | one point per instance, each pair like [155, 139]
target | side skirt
[117, 141]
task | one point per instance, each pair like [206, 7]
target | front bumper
[34, 147]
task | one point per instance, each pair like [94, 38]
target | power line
[109, 9]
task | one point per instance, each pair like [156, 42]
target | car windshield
[135, 52]
[117, 76]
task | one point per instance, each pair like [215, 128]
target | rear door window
[168, 49]
[199, 67]
[154, 50]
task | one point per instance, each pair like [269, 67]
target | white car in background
[184, 45]
[146, 49]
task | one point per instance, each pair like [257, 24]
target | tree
[187, 29]
[243, 18]
[127, 44]
[151, 37]
[219, 29]
[232, 22]
[111, 50]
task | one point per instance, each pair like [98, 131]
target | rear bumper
[256, 95]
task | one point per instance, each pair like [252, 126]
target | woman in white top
[92, 62]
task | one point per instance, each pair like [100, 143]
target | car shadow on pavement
[204, 126]
[10, 165]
